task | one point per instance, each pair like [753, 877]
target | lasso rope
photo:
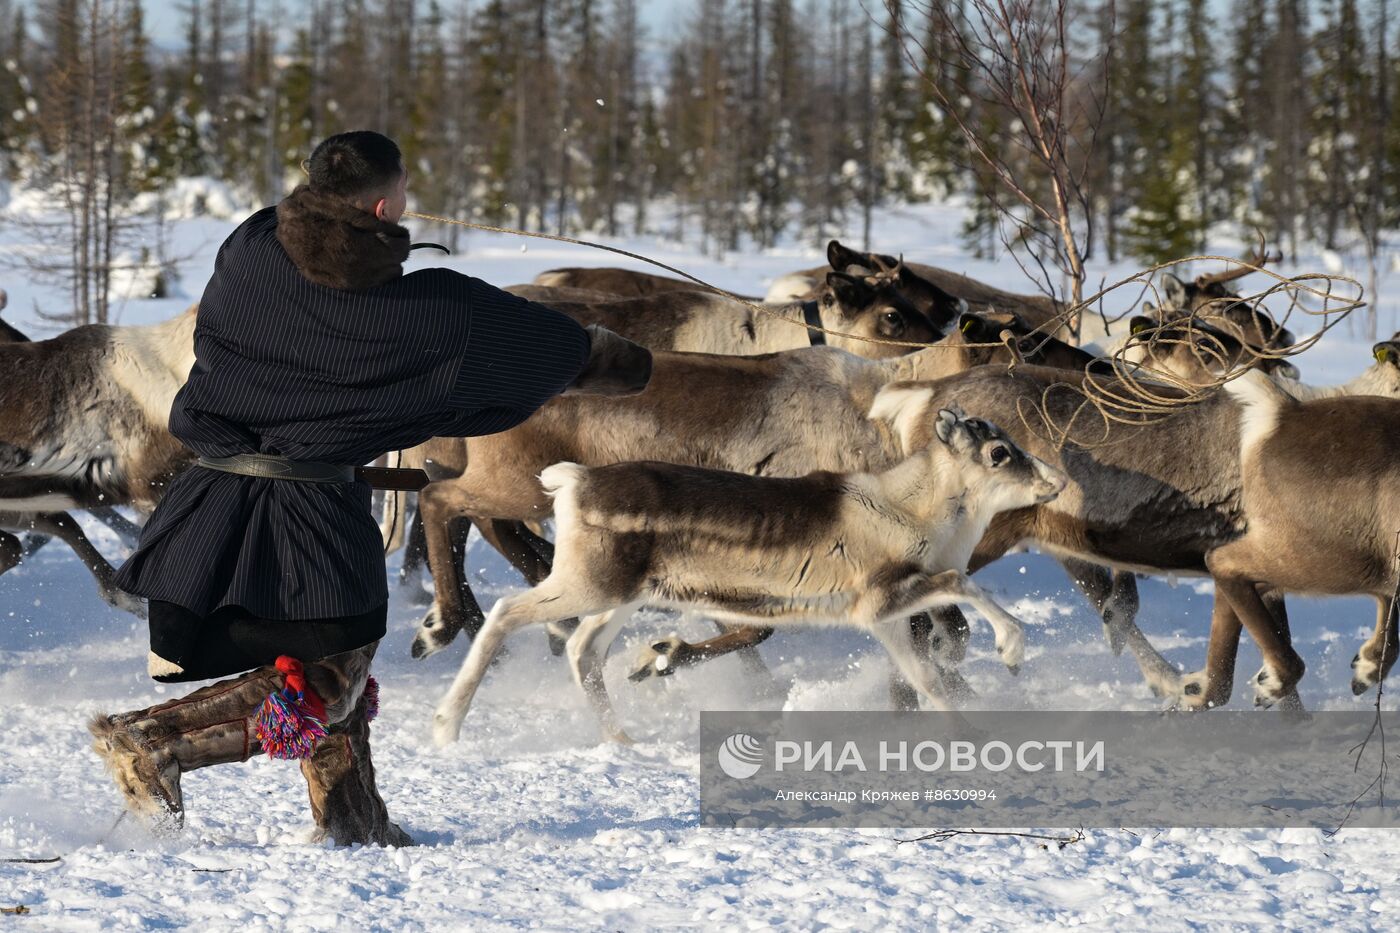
[1136, 393]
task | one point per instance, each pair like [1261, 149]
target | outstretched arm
[520, 355]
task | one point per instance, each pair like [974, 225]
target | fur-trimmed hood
[336, 244]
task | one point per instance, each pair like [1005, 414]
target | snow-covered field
[530, 822]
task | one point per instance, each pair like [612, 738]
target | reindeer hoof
[432, 636]
[1013, 652]
[656, 660]
[1364, 675]
[620, 738]
[1190, 695]
[1268, 688]
[1014, 670]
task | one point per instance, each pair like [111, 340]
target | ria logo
[740, 756]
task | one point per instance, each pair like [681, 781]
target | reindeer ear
[840, 257]
[905, 406]
[1387, 351]
[852, 293]
[1173, 291]
[953, 431]
[945, 423]
[974, 328]
[1140, 323]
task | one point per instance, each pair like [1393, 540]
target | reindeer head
[1030, 345]
[871, 306]
[1383, 378]
[1196, 351]
[937, 305]
[993, 466]
[1210, 297]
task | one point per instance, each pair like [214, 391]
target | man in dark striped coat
[315, 353]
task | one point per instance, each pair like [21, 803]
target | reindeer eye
[827, 298]
[1000, 455]
[893, 318]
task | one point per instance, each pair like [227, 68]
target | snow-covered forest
[751, 120]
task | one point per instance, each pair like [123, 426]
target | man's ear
[379, 208]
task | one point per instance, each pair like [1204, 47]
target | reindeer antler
[1257, 260]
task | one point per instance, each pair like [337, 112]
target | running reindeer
[83, 425]
[1341, 456]
[860, 549]
[781, 414]
[867, 306]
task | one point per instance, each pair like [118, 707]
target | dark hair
[348, 165]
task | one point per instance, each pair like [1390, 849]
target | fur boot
[147, 750]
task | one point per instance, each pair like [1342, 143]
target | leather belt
[270, 466]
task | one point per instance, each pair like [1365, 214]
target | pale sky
[166, 24]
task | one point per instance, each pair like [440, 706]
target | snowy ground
[529, 822]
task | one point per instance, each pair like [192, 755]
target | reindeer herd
[852, 471]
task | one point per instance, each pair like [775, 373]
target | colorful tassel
[292, 721]
[371, 700]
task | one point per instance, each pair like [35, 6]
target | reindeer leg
[941, 635]
[545, 603]
[587, 650]
[1373, 662]
[663, 658]
[911, 593]
[1098, 585]
[128, 531]
[1273, 601]
[1213, 685]
[454, 604]
[522, 548]
[64, 527]
[11, 551]
[1283, 668]
[1115, 597]
[415, 556]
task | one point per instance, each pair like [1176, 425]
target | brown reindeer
[83, 425]
[1161, 496]
[42, 526]
[779, 414]
[925, 286]
[621, 283]
[1340, 456]
[856, 549]
[687, 321]
[1211, 300]
[1198, 351]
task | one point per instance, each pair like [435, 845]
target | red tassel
[292, 721]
